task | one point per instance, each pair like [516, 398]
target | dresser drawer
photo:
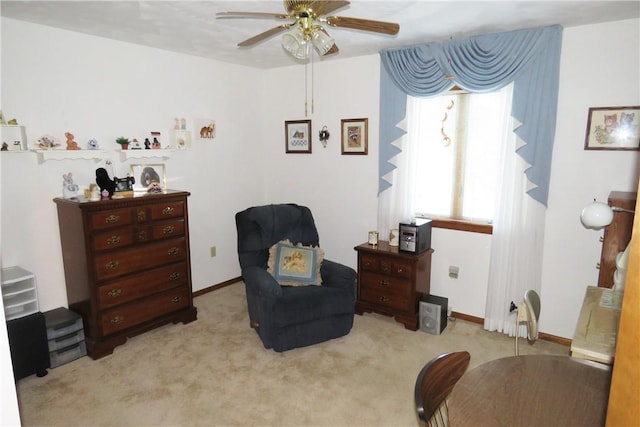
[129, 315]
[167, 229]
[129, 260]
[386, 265]
[115, 238]
[167, 210]
[141, 285]
[112, 218]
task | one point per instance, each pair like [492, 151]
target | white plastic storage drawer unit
[19, 292]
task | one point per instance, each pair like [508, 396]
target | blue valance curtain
[528, 58]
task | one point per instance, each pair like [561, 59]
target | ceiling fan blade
[390, 28]
[321, 7]
[258, 15]
[265, 35]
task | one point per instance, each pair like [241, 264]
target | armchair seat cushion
[305, 304]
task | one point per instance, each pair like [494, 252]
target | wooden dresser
[616, 236]
[126, 264]
[392, 282]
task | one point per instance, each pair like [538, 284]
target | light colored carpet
[215, 372]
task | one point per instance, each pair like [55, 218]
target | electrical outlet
[213, 251]
[454, 271]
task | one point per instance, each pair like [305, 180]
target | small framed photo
[355, 136]
[613, 128]
[149, 178]
[297, 136]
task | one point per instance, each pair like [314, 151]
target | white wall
[56, 81]
[600, 67]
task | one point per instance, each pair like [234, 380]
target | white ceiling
[190, 27]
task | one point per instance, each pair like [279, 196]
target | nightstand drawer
[385, 265]
[383, 298]
[142, 285]
[134, 314]
[386, 284]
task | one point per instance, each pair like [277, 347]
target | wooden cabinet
[127, 265]
[616, 236]
[392, 282]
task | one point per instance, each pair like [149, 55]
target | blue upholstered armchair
[287, 317]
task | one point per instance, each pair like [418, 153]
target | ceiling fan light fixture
[322, 41]
[295, 44]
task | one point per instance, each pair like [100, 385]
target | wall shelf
[45, 155]
[143, 154]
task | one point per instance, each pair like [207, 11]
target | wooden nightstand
[392, 282]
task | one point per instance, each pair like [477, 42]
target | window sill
[452, 224]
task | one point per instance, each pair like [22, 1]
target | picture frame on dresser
[146, 174]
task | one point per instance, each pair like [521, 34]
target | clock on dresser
[126, 263]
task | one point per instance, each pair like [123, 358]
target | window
[457, 140]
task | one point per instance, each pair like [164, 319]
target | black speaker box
[28, 345]
[433, 314]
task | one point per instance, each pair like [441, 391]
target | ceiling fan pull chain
[305, 90]
[313, 98]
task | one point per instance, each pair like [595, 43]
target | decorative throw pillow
[295, 265]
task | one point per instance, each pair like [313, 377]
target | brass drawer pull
[142, 215]
[174, 275]
[399, 270]
[384, 299]
[113, 240]
[384, 283]
[112, 265]
[142, 235]
[176, 300]
[116, 320]
[111, 219]
[173, 251]
[167, 211]
[168, 229]
[113, 293]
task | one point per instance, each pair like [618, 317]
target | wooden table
[532, 391]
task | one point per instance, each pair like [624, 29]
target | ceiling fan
[306, 28]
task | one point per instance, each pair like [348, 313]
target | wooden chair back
[434, 384]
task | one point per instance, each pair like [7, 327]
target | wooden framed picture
[613, 128]
[355, 135]
[297, 136]
[150, 178]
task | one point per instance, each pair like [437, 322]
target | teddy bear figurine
[69, 188]
[71, 144]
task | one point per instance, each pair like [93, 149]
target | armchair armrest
[259, 281]
[339, 276]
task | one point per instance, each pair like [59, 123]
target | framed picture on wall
[297, 136]
[147, 176]
[355, 135]
[613, 128]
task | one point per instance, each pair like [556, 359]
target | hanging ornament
[324, 136]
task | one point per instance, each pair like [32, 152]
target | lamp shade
[597, 215]
[322, 41]
[294, 42]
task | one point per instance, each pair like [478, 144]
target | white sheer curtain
[516, 245]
